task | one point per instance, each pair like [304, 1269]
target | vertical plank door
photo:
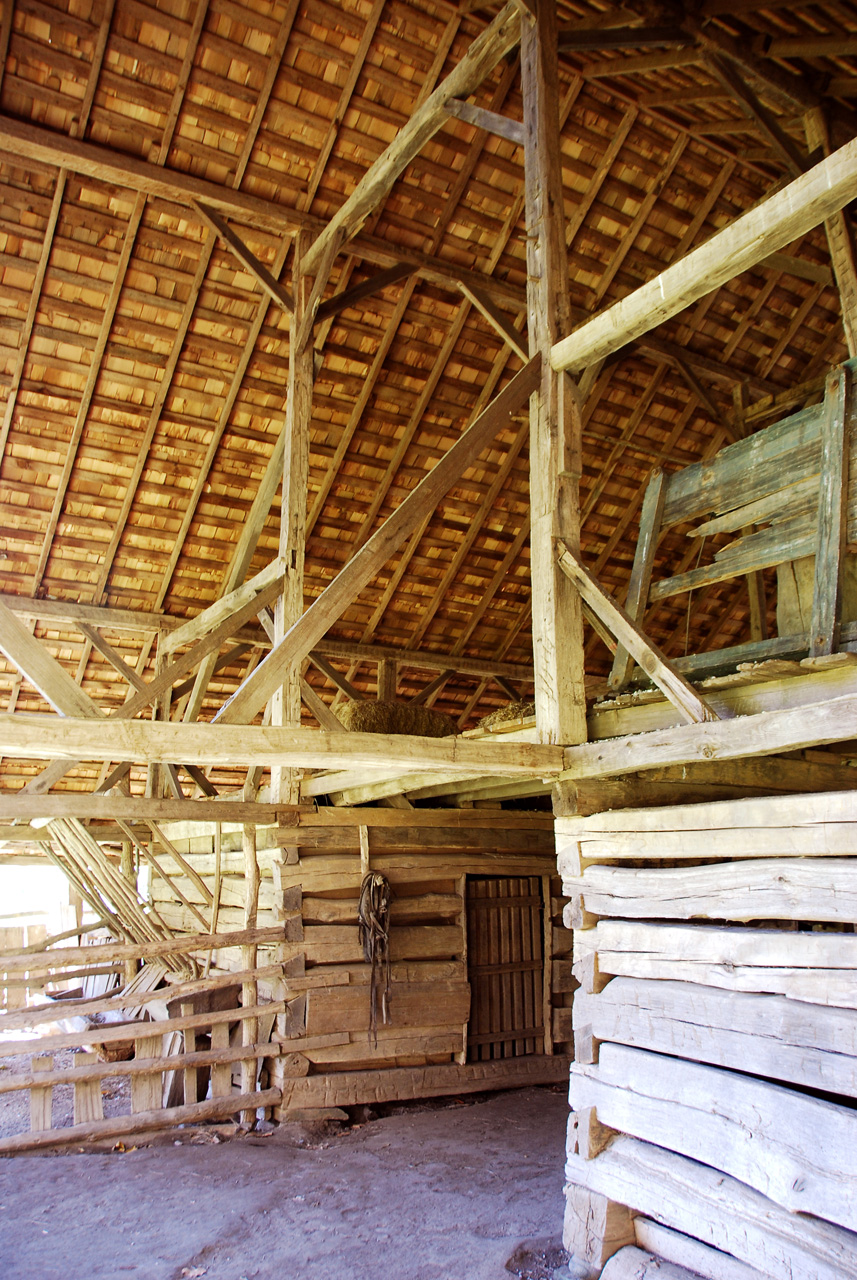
[505, 966]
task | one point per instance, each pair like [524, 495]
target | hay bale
[520, 711]
[396, 717]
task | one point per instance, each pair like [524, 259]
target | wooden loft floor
[174, 177]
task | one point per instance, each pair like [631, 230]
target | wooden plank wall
[310, 881]
[716, 1034]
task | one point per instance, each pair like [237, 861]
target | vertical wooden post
[555, 422]
[387, 679]
[126, 867]
[41, 1097]
[832, 500]
[221, 1072]
[191, 1083]
[88, 1105]
[286, 703]
[840, 241]
[249, 987]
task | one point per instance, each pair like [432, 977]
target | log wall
[310, 881]
[713, 1117]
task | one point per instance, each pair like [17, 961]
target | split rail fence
[177, 1033]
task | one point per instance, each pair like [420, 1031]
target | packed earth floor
[471, 1190]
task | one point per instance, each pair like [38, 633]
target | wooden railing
[170, 1059]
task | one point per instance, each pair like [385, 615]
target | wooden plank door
[505, 966]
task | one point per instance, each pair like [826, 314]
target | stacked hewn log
[715, 1035]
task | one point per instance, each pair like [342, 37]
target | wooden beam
[596, 39]
[388, 679]
[764, 733]
[29, 142]
[42, 670]
[285, 695]
[653, 661]
[499, 320]
[326, 718]
[324, 611]
[166, 678]
[336, 678]
[555, 418]
[479, 61]
[104, 616]
[61, 611]
[641, 573]
[768, 125]
[840, 237]
[115, 659]
[275, 291]
[423, 660]
[365, 289]
[47, 737]
[431, 688]
[212, 618]
[832, 500]
[770, 226]
[490, 121]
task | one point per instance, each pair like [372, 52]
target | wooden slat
[480, 59]
[654, 662]
[779, 220]
[309, 629]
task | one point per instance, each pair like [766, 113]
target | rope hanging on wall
[373, 930]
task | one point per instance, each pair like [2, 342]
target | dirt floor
[471, 1190]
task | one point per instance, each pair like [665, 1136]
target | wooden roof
[144, 368]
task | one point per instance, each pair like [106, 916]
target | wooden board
[798, 1151]
[768, 1036]
[770, 889]
[348, 1087]
[718, 1210]
[415, 1004]
[819, 968]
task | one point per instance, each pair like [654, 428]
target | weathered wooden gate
[505, 966]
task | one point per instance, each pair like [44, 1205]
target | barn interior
[425, 452]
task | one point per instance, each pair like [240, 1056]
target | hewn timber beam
[87, 806]
[32, 659]
[60, 611]
[34, 144]
[305, 634]
[424, 660]
[595, 39]
[69, 611]
[653, 661]
[46, 737]
[490, 121]
[793, 91]
[365, 289]
[225, 608]
[771, 225]
[500, 322]
[656, 347]
[208, 644]
[479, 61]
[755, 110]
[275, 291]
[555, 411]
[337, 679]
[765, 733]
